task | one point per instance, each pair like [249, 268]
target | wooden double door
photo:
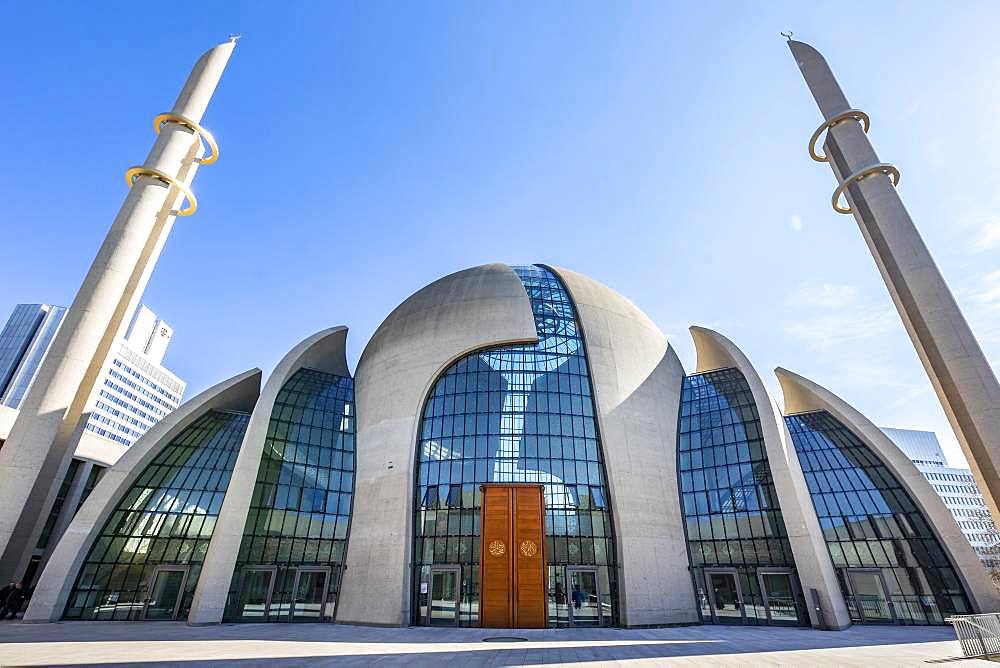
[512, 562]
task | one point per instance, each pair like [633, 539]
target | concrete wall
[803, 395]
[812, 560]
[54, 586]
[472, 309]
[323, 351]
[637, 381]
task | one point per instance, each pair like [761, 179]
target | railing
[979, 635]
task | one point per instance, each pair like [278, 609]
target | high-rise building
[23, 343]
[957, 489]
[134, 391]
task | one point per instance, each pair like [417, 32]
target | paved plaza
[175, 643]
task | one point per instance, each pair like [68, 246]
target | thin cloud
[988, 236]
[823, 295]
[796, 222]
[839, 316]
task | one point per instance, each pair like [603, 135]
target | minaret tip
[787, 35]
[235, 37]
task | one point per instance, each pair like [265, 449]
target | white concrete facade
[472, 309]
[803, 395]
[637, 384]
[637, 381]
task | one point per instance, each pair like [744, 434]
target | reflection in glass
[520, 413]
[726, 597]
[869, 596]
[584, 597]
[310, 595]
[167, 517]
[444, 597]
[869, 521]
[780, 596]
[256, 589]
[165, 593]
[732, 516]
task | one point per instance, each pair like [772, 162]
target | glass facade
[517, 414]
[146, 561]
[740, 556]
[16, 337]
[890, 565]
[292, 553]
[23, 345]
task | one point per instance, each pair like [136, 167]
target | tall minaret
[964, 382]
[38, 452]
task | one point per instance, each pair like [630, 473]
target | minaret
[964, 382]
[37, 454]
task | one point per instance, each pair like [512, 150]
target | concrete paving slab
[177, 644]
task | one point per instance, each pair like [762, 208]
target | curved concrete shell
[472, 309]
[239, 393]
[812, 560]
[323, 351]
[637, 381]
[803, 395]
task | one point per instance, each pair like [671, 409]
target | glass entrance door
[870, 596]
[725, 597]
[255, 594]
[309, 600]
[166, 590]
[445, 594]
[584, 597]
[779, 597]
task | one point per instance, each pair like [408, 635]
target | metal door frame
[790, 573]
[709, 572]
[885, 592]
[185, 570]
[273, 570]
[597, 586]
[456, 570]
[299, 570]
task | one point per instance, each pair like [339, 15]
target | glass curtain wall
[517, 414]
[292, 553]
[890, 564]
[163, 524]
[740, 556]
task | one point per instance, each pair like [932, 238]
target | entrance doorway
[444, 595]
[725, 596]
[165, 593]
[309, 600]
[303, 594]
[512, 560]
[871, 600]
[584, 601]
[255, 592]
[780, 598]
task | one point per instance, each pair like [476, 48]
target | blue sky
[369, 148]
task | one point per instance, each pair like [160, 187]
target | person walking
[13, 602]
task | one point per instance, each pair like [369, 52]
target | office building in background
[135, 390]
[957, 489]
